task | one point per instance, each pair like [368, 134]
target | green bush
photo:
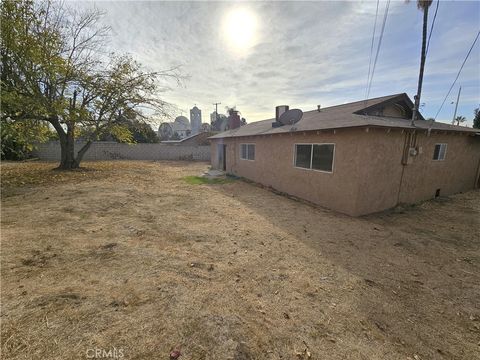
[18, 138]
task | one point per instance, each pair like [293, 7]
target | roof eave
[386, 126]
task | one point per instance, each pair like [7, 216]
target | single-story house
[356, 158]
[197, 139]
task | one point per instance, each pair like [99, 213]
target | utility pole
[456, 106]
[216, 109]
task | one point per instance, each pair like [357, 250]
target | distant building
[165, 131]
[197, 140]
[219, 122]
[181, 127]
[206, 127]
[196, 119]
[178, 129]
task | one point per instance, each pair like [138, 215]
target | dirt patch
[131, 256]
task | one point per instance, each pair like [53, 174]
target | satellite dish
[290, 117]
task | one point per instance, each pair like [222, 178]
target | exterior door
[222, 156]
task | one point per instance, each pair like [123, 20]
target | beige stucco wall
[367, 174]
[382, 184]
[457, 173]
[380, 156]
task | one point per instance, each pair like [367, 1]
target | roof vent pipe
[279, 110]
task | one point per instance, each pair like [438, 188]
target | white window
[247, 151]
[439, 152]
[315, 156]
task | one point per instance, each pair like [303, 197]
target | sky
[257, 55]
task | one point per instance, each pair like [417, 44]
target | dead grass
[18, 176]
[131, 256]
[201, 180]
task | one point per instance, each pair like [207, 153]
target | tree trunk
[68, 161]
[422, 66]
[82, 152]
[67, 146]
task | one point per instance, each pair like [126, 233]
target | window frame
[311, 157]
[440, 151]
[247, 145]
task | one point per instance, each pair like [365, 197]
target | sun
[240, 29]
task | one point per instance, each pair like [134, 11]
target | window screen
[243, 151]
[303, 156]
[247, 151]
[439, 151]
[251, 152]
[323, 157]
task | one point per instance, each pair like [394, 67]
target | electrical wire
[378, 47]
[371, 49]
[458, 74]
[431, 28]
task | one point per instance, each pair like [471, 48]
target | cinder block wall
[106, 150]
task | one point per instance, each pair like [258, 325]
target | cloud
[306, 53]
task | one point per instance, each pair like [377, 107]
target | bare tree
[54, 69]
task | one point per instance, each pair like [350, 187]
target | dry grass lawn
[130, 257]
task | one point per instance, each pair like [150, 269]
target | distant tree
[460, 119]
[54, 70]
[233, 112]
[141, 131]
[219, 123]
[476, 119]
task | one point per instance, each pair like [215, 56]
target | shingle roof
[341, 116]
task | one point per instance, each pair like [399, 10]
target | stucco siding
[368, 175]
[274, 166]
[380, 159]
[385, 182]
[457, 173]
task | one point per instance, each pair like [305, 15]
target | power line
[378, 47]
[371, 49]
[431, 28]
[458, 74]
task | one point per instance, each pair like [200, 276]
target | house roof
[354, 114]
[199, 137]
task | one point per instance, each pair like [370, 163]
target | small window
[439, 152]
[303, 156]
[247, 151]
[315, 156]
[322, 158]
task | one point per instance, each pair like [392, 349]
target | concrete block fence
[106, 150]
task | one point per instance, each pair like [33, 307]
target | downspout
[235, 153]
[410, 141]
[476, 185]
[405, 143]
